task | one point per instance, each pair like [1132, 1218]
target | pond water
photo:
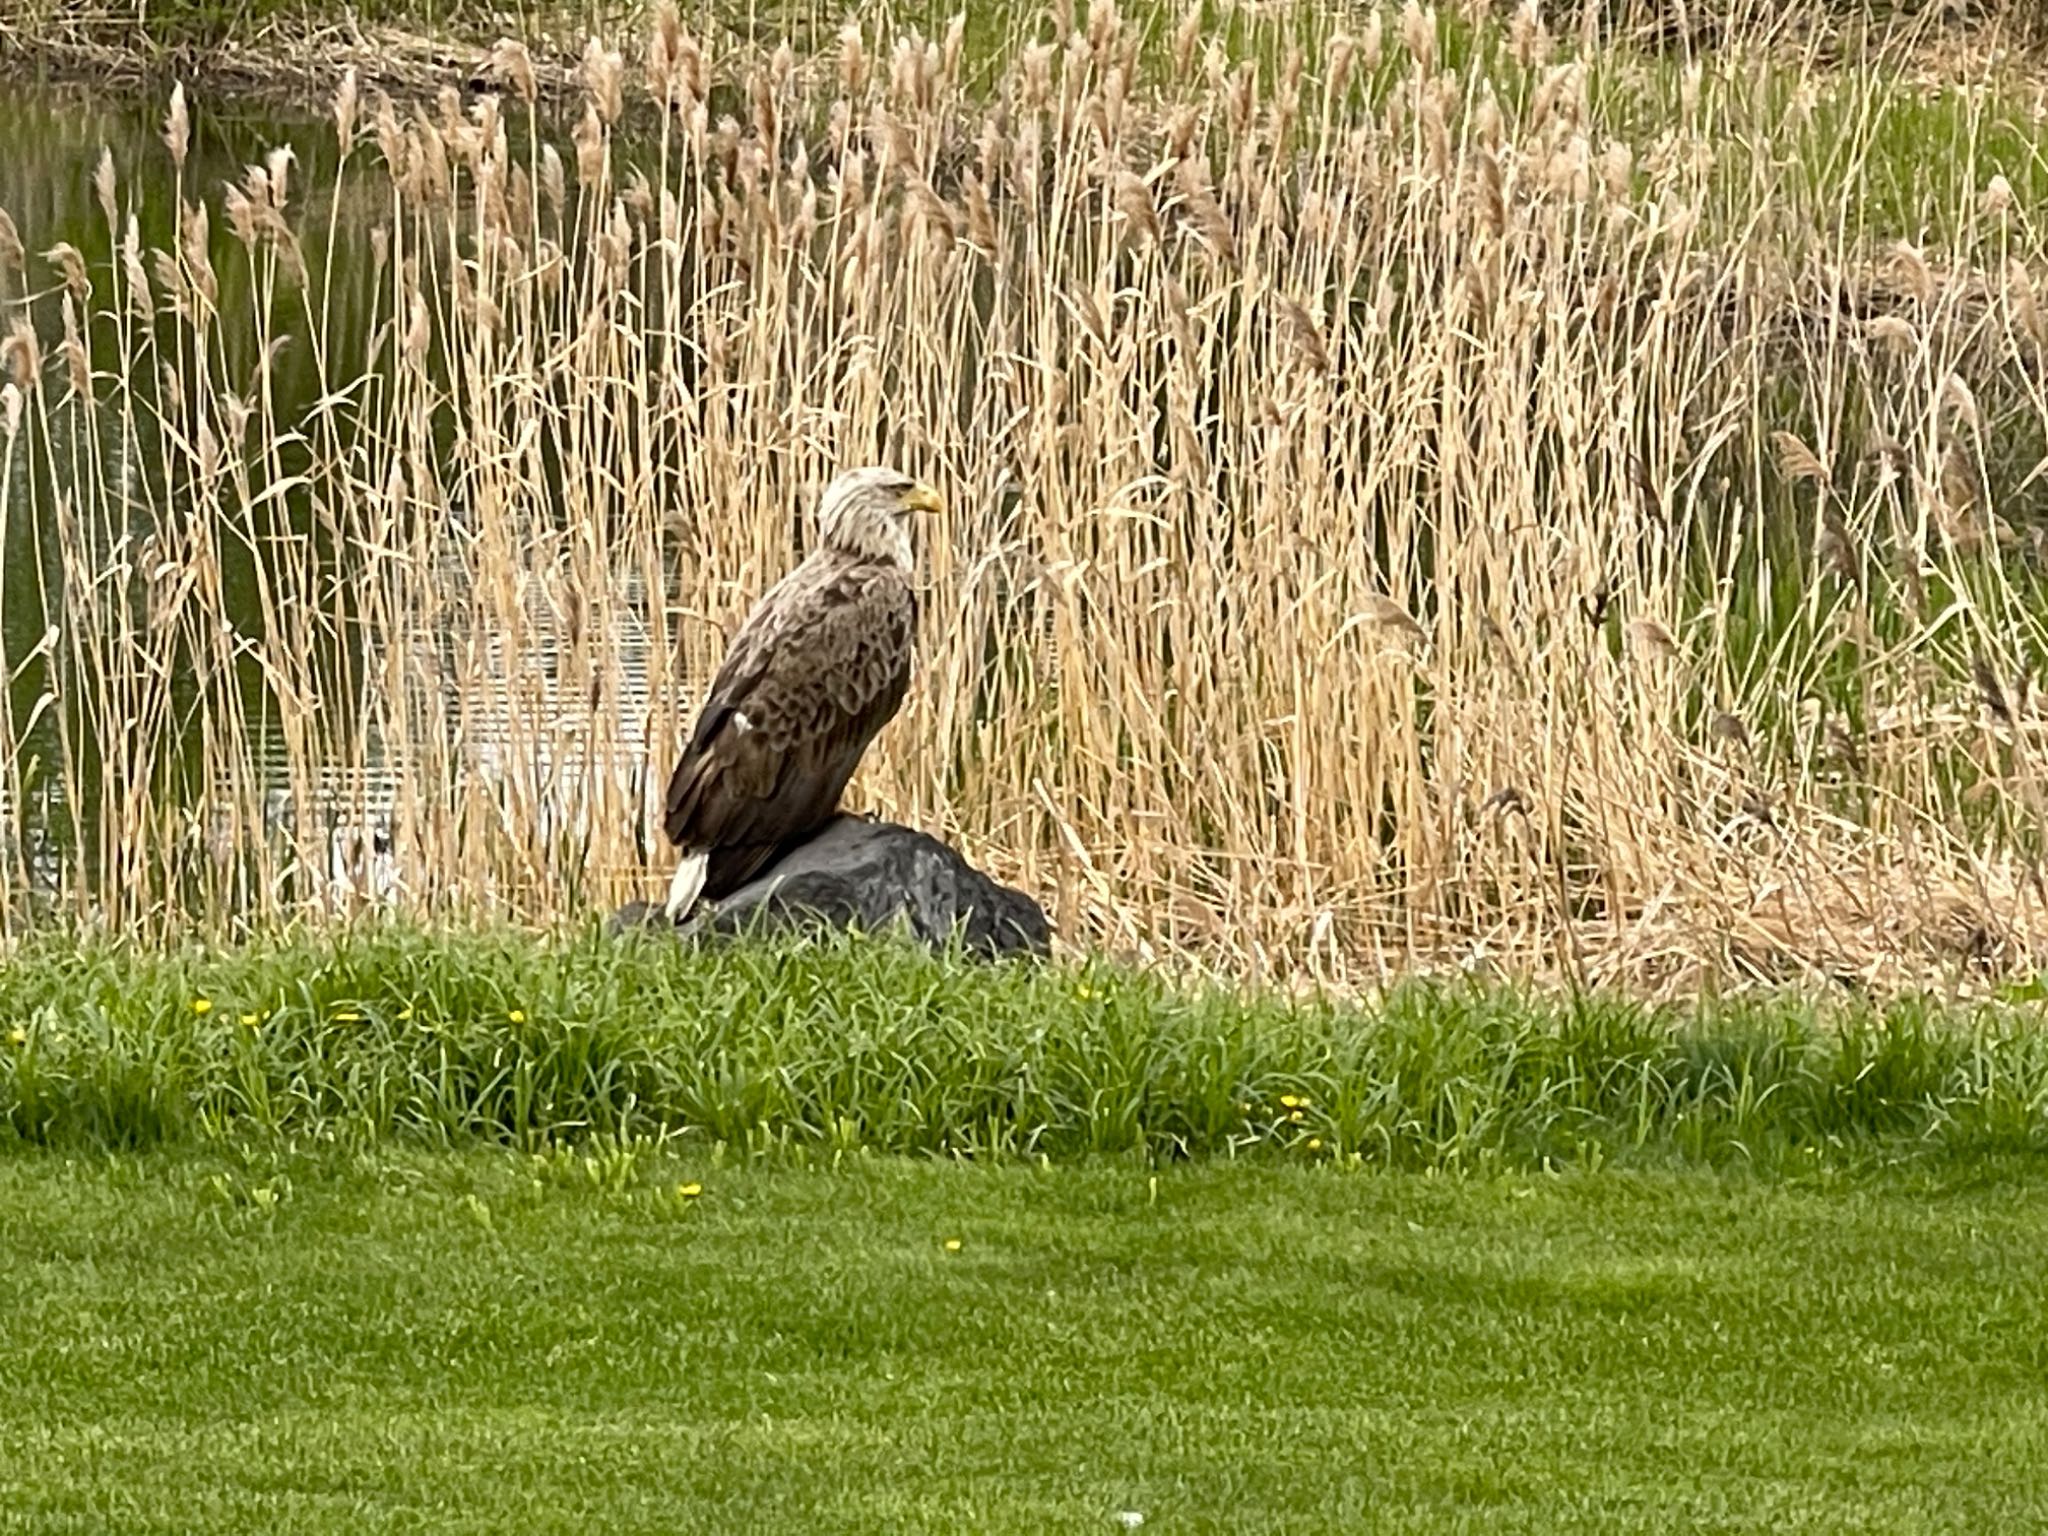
[57, 137]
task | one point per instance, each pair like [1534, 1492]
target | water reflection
[513, 724]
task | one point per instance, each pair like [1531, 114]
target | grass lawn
[490, 1341]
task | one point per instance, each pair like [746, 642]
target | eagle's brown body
[820, 665]
[818, 668]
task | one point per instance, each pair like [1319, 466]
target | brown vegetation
[1399, 512]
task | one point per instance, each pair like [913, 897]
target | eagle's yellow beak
[922, 498]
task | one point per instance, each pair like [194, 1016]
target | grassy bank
[810, 1053]
[479, 1344]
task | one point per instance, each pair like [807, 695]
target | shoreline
[296, 63]
[289, 67]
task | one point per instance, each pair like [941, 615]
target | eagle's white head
[867, 512]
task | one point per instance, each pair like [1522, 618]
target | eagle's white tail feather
[686, 885]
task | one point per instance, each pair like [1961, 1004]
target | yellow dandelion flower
[517, 1015]
[17, 1038]
[1292, 1101]
[202, 1005]
[1315, 1143]
[405, 1012]
[1294, 1116]
[689, 1191]
[250, 1021]
[952, 1245]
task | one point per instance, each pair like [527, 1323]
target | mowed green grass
[487, 1341]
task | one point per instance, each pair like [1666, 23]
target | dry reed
[1397, 517]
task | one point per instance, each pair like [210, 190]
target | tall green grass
[816, 1049]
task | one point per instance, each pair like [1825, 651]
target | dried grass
[1397, 522]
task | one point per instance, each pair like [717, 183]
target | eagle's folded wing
[816, 671]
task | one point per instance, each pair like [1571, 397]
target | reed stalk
[1422, 490]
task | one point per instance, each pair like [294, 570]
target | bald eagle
[819, 667]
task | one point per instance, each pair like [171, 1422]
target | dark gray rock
[869, 875]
